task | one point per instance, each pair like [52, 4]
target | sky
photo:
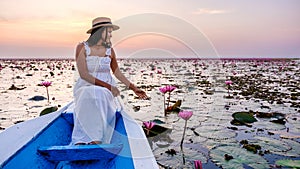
[165, 28]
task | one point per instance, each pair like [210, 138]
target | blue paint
[120, 136]
[58, 133]
[80, 152]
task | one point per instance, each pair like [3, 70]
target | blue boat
[44, 143]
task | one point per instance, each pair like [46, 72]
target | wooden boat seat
[80, 152]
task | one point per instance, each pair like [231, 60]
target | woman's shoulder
[79, 48]
[81, 44]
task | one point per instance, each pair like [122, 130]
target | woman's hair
[96, 35]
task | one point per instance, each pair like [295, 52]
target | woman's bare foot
[94, 142]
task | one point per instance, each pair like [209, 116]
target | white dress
[94, 112]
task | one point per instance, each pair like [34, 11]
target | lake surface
[266, 90]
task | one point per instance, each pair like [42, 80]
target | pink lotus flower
[46, 83]
[228, 82]
[167, 88]
[170, 88]
[164, 90]
[198, 164]
[186, 115]
[148, 124]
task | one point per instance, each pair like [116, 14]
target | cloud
[201, 11]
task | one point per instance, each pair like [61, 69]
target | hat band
[100, 23]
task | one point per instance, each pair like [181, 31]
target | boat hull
[58, 133]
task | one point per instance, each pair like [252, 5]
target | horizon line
[159, 58]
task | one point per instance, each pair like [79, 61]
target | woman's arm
[120, 76]
[84, 73]
[116, 71]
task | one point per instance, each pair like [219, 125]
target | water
[265, 86]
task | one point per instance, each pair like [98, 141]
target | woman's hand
[115, 91]
[140, 93]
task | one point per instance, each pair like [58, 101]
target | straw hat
[102, 21]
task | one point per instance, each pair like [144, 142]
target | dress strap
[108, 52]
[87, 49]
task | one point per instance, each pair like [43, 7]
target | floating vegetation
[174, 108]
[271, 145]
[48, 110]
[286, 134]
[293, 119]
[220, 116]
[218, 135]
[243, 118]
[234, 157]
[209, 92]
[215, 132]
[156, 130]
[13, 87]
[175, 158]
[267, 125]
[288, 163]
[209, 143]
[295, 148]
[252, 147]
[37, 98]
[191, 136]
[270, 115]
[263, 104]
[274, 116]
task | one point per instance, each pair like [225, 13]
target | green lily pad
[285, 134]
[215, 132]
[218, 135]
[273, 145]
[288, 163]
[217, 117]
[244, 117]
[157, 121]
[294, 151]
[48, 110]
[210, 144]
[191, 89]
[240, 157]
[209, 128]
[267, 125]
[293, 119]
[156, 130]
[175, 159]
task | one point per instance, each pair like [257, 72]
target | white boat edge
[25, 131]
[141, 152]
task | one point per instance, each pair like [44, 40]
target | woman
[95, 90]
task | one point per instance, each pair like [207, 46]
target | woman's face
[107, 31]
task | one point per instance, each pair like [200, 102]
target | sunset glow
[233, 29]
